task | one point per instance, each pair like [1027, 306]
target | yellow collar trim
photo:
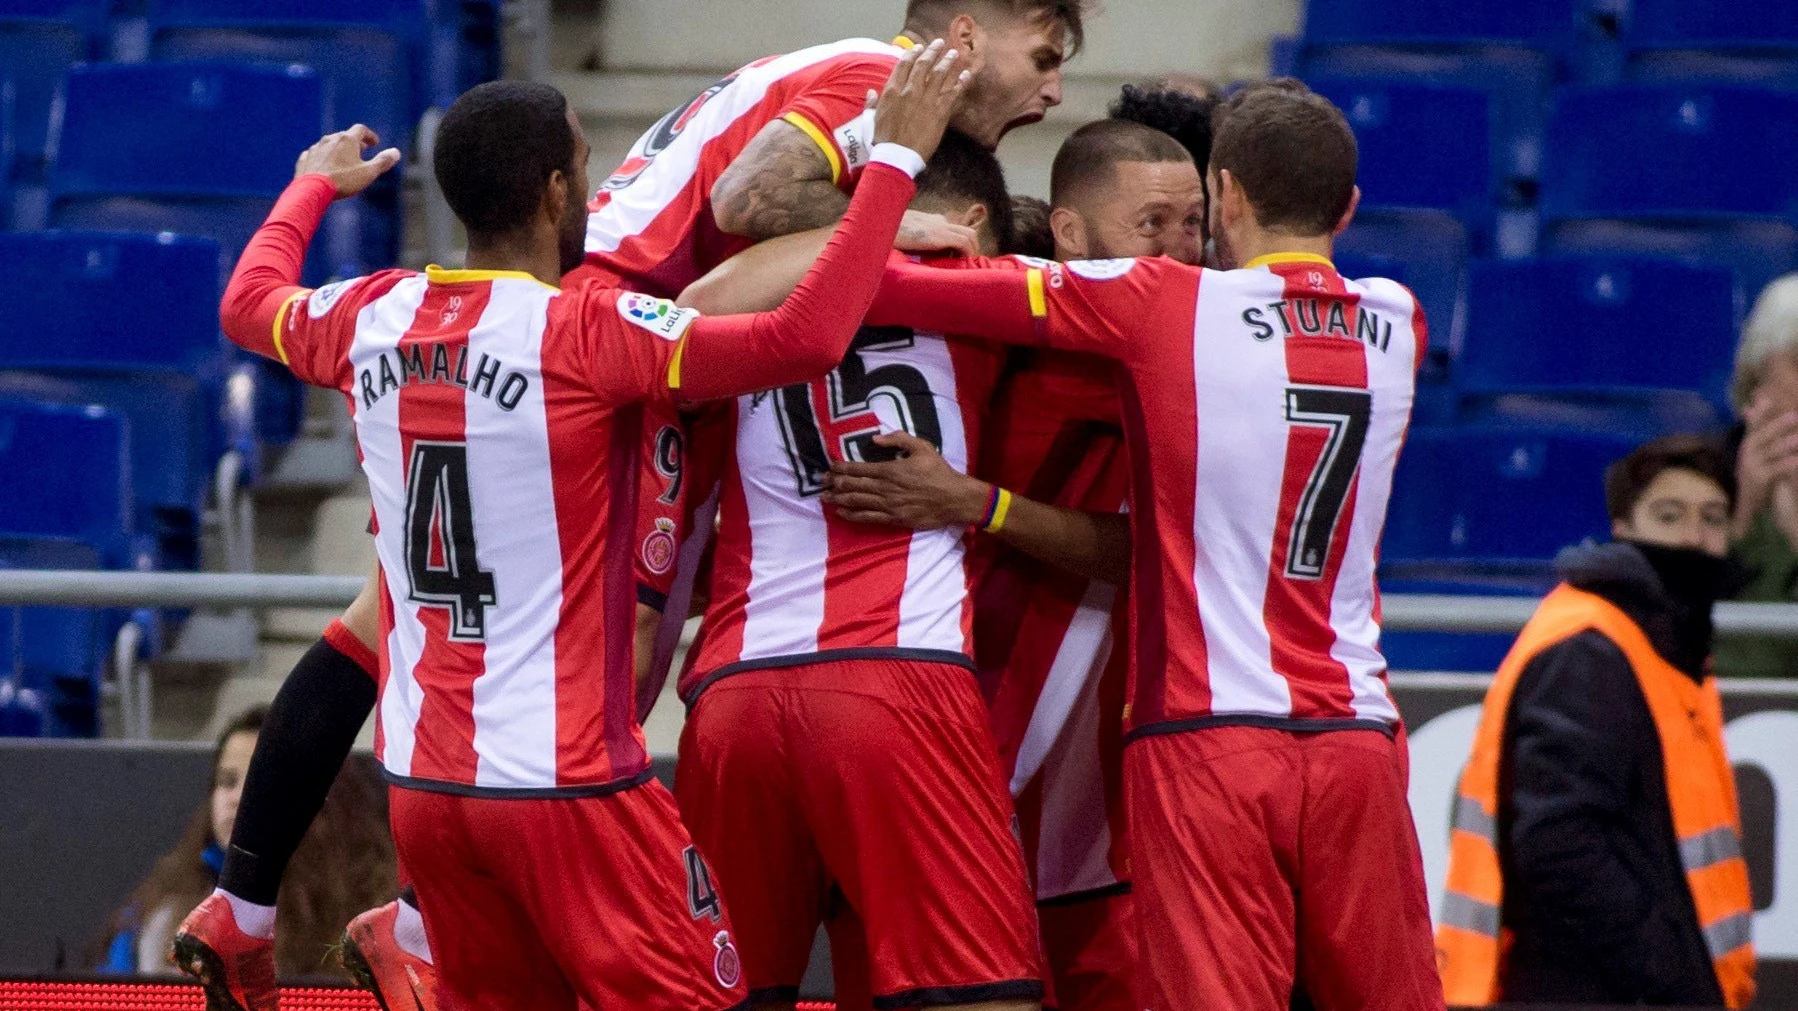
[1273, 258]
[438, 275]
[905, 42]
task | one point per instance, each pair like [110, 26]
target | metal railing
[234, 590]
[1400, 612]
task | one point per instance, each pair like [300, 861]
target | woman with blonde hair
[1765, 526]
[344, 866]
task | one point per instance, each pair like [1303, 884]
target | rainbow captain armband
[998, 506]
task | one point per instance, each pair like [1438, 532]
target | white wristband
[900, 157]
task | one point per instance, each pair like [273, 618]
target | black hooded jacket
[1594, 888]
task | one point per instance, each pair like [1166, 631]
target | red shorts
[599, 902]
[1263, 857]
[866, 793]
[1090, 947]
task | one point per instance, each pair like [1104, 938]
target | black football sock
[310, 728]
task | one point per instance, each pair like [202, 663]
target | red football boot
[374, 960]
[237, 971]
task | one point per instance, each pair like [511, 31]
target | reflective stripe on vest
[1471, 938]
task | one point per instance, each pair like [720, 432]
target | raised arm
[921, 491]
[724, 356]
[267, 276]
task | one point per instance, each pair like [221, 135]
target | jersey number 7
[441, 563]
[1344, 414]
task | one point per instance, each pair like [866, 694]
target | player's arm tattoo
[779, 185]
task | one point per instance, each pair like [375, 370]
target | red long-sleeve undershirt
[721, 356]
[268, 272]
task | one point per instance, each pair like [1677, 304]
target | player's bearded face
[1018, 79]
[572, 236]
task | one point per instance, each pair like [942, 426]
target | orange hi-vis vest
[1471, 940]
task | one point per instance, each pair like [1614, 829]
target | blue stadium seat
[1692, 40]
[130, 321]
[212, 145]
[1422, 146]
[53, 657]
[68, 506]
[1697, 171]
[1433, 249]
[39, 41]
[1494, 503]
[368, 54]
[1601, 328]
[1533, 24]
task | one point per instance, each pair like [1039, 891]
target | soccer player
[1264, 408]
[776, 147]
[1044, 637]
[792, 131]
[498, 421]
[830, 701]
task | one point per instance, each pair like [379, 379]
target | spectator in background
[1765, 449]
[1596, 853]
[345, 865]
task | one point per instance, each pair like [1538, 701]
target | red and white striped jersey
[651, 223]
[1264, 409]
[791, 582]
[501, 428]
[1049, 644]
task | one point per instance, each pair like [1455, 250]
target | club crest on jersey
[657, 315]
[1101, 270]
[727, 966]
[659, 547]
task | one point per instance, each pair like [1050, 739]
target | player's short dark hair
[1292, 152]
[1177, 113]
[1628, 479]
[1089, 155]
[961, 169]
[1030, 231]
[496, 148]
[1070, 13]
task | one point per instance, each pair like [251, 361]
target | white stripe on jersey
[512, 492]
[789, 541]
[1078, 665]
[632, 209]
[1073, 848]
[379, 327]
[1236, 503]
[1351, 606]
[936, 578]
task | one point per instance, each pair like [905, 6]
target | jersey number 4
[835, 418]
[1344, 414]
[440, 549]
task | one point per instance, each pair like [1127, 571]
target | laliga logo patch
[657, 315]
[726, 965]
[1101, 270]
[321, 301]
[659, 547]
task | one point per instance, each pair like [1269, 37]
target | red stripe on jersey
[592, 683]
[623, 746]
[864, 570]
[1297, 607]
[1163, 566]
[446, 669]
[730, 572]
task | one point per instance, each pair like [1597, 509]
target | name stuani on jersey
[430, 364]
[1311, 317]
